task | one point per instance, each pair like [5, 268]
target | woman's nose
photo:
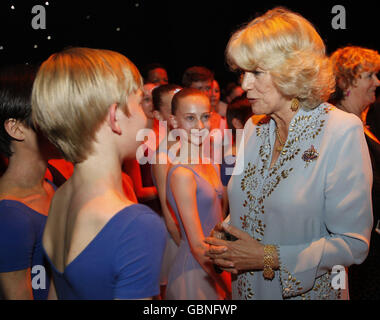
[247, 82]
[200, 124]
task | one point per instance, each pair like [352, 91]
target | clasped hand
[243, 254]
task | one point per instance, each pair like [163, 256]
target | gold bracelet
[269, 254]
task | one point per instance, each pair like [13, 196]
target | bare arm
[17, 285]
[160, 173]
[183, 186]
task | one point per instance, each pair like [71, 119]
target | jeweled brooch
[310, 155]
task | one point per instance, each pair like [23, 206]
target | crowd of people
[259, 189]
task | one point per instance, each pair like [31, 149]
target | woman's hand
[218, 232]
[243, 254]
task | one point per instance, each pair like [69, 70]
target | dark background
[177, 34]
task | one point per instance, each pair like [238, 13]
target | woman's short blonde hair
[72, 94]
[288, 46]
[349, 62]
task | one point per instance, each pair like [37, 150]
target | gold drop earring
[295, 104]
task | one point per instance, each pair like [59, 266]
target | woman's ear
[112, 118]
[15, 129]
[173, 121]
[343, 85]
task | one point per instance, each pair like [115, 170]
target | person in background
[217, 105]
[25, 195]
[140, 174]
[238, 113]
[147, 104]
[156, 73]
[162, 99]
[232, 91]
[300, 193]
[195, 193]
[95, 238]
[201, 78]
[356, 69]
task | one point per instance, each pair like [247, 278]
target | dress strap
[184, 166]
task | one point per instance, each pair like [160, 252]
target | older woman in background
[356, 71]
[300, 195]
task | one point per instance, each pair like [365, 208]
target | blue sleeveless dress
[187, 280]
[123, 260]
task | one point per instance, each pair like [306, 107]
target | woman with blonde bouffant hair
[300, 193]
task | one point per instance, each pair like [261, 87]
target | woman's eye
[206, 117]
[190, 118]
[368, 75]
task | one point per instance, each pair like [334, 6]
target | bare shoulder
[83, 209]
[99, 210]
[182, 180]
[182, 175]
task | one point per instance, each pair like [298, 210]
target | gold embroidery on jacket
[302, 128]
